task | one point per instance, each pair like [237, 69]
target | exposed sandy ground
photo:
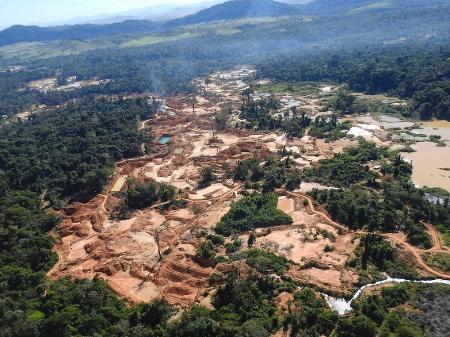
[119, 183]
[125, 253]
[51, 84]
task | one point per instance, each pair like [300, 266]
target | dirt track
[124, 253]
[438, 244]
[417, 253]
[317, 212]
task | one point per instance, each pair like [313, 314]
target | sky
[56, 11]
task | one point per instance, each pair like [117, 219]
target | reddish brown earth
[125, 253]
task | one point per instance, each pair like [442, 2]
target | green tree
[207, 177]
[293, 180]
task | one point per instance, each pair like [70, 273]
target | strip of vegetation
[358, 208]
[253, 211]
[309, 315]
[400, 310]
[261, 115]
[393, 203]
[258, 113]
[142, 195]
[329, 128]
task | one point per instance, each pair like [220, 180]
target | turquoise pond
[164, 139]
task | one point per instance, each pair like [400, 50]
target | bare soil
[125, 253]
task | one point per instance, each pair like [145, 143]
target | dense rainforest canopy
[69, 152]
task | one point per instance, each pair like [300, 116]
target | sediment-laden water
[343, 306]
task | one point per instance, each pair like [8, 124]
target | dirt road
[416, 252]
[438, 244]
[321, 214]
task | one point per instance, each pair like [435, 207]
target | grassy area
[41, 50]
[153, 39]
[306, 88]
[36, 50]
[440, 261]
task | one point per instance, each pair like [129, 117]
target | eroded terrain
[153, 254]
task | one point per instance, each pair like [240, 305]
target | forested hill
[337, 7]
[20, 33]
[419, 74]
[230, 10]
[237, 9]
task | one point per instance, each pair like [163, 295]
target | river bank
[343, 306]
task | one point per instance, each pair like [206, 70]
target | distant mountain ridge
[230, 10]
[236, 9]
[19, 33]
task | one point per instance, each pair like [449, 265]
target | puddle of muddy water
[430, 165]
[438, 128]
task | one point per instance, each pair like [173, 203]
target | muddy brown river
[431, 163]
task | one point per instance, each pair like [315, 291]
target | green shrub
[217, 240]
[206, 250]
[233, 247]
[207, 177]
[267, 262]
[328, 248]
[252, 211]
[141, 195]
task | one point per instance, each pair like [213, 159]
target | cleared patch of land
[154, 252]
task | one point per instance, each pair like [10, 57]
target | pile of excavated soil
[152, 254]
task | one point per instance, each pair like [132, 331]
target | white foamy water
[342, 306]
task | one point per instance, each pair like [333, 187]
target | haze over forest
[248, 168]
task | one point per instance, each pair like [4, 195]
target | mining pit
[126, 253]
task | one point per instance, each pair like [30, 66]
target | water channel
[343, 306]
